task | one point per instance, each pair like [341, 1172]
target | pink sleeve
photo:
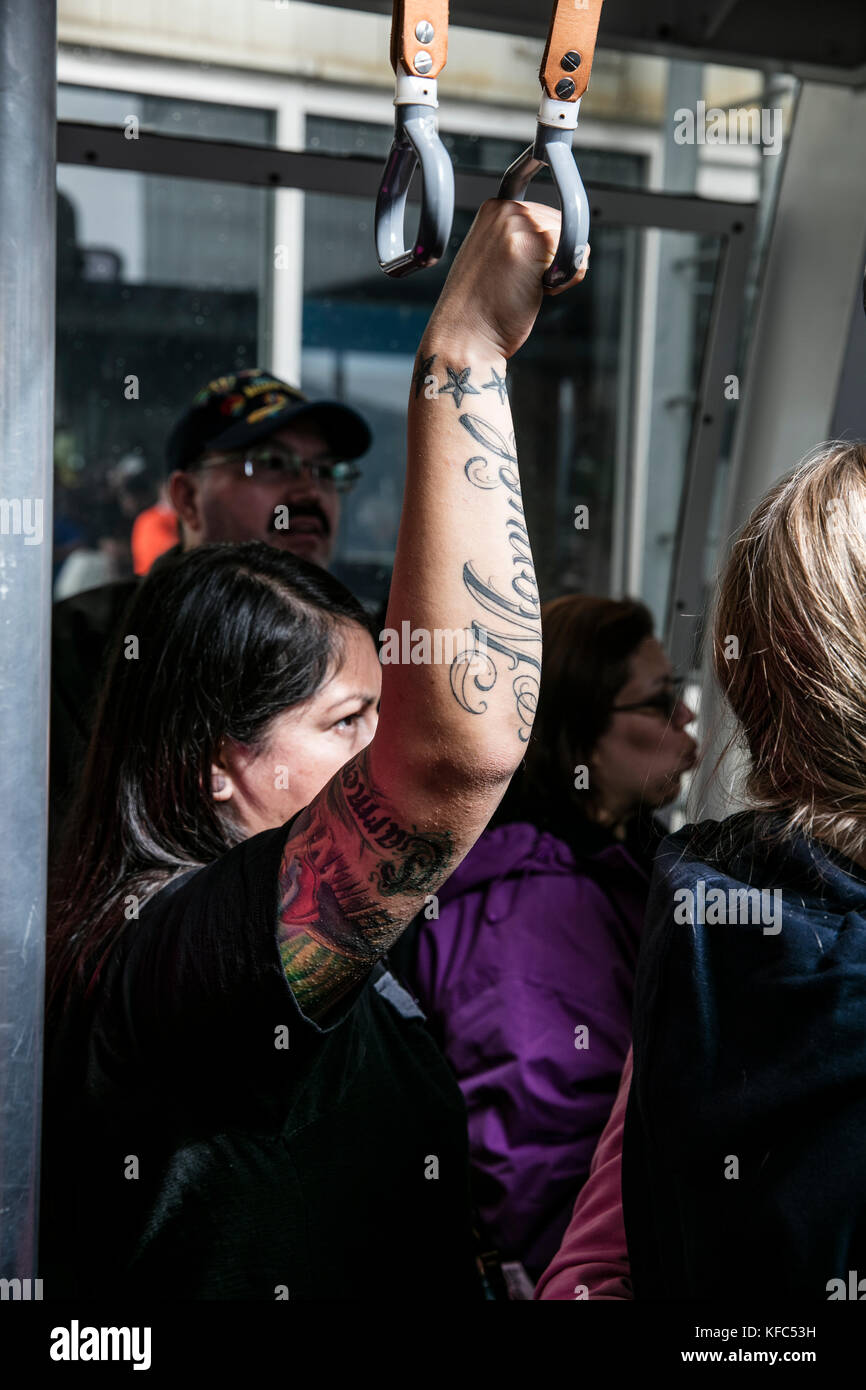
[593, 1254]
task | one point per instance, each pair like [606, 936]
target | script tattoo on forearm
[350, 879]
[513, 631]
[516, 634]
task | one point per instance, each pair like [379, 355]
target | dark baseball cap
[235, 410]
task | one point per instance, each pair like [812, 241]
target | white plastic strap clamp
[417, 91]
[562, 115]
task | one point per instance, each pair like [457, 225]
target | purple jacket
[527, 979]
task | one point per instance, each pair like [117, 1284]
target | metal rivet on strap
[570, 61]
[424, 31]
[422, 63]
[564, 88]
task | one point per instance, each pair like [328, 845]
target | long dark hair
[587, 643]
[216, 642]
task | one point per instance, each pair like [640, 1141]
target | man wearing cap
[251, 459]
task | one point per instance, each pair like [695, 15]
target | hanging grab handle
[419, 48]
[565, 72]
[416, 143]
[552, 149]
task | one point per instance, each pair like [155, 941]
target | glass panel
[143, 293]
[167, 115]
[470, 153]
[162, 285]
[687, 268]
[573, 388]
[352, 312]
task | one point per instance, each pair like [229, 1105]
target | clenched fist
[494, 290]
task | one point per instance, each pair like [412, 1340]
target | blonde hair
[789, 646]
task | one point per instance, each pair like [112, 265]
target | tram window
[604, 391]
[470, 153]
[163, 280]
[206, 120]
[360, 331]
[687, 266]
[573, 387]
[144, 292]
[575, 382]
[162, 284]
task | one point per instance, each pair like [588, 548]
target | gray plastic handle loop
[416, 142]
[552, 148]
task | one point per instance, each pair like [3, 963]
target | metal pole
[673, 401]
[28, 61]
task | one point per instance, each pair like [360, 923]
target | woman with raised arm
[240, 1101]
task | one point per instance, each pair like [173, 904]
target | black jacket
[745, 1137]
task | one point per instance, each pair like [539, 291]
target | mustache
[301, 509]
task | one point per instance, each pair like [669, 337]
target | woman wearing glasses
[527, 975]
[240, 1103]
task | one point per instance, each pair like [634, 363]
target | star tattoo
[497, 384]
[458, 385]
[420, 377]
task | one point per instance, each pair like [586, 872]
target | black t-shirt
[204, 1139]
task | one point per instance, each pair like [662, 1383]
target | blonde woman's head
[789, 646]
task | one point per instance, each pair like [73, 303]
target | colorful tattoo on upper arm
[351, 878]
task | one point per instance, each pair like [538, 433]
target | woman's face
[643, 753]
[306, 744]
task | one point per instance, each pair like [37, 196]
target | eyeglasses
[269, 461]
[665, 703]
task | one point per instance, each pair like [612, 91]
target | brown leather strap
[573, 31]
[405, 45]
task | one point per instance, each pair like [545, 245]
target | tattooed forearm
[417, 859]
[423, 374]
[516, 636]
[351, 879]
[458, 382]
[497, 384]
[459, 385]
